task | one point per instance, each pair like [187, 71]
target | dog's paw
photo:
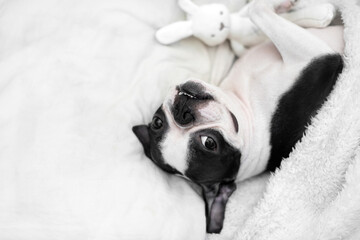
[279, 6]
[328, 11]
[284, 6]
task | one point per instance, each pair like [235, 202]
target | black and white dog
[215, 136]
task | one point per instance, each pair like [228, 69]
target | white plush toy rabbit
[213, 24]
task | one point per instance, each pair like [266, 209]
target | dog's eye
[156, 123]
[208, 142]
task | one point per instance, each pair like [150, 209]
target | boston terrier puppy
[215, 136]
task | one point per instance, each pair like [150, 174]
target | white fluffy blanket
[316, 194]
[75, 76]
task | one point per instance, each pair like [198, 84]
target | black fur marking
[215, 171]
[298, 105]
[150, 139]
[206, 166]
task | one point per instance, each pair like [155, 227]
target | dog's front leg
[294, 43]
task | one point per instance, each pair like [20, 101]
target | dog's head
[194, 134]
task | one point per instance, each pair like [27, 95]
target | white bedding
[74, 77]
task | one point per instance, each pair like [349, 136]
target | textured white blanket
[74, 77]
[316, 194]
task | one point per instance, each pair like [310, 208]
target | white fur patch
[211, 113]
[174, 149]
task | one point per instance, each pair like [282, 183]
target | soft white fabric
[315, 195]
[75, 76]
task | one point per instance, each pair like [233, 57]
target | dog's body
[214, 136]
[263, 83]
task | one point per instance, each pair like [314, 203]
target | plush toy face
[211, 24]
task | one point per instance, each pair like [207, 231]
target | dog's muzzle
[188, 96]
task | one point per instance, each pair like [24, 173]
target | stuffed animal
[213, 24]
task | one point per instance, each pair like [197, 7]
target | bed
[75, 76]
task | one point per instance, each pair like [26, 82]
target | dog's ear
[216, 196]
[142, 133]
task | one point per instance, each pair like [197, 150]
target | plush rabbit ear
[174, 32]
[188, 6]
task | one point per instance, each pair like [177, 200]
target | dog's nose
[188, 96]
[183, 109]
